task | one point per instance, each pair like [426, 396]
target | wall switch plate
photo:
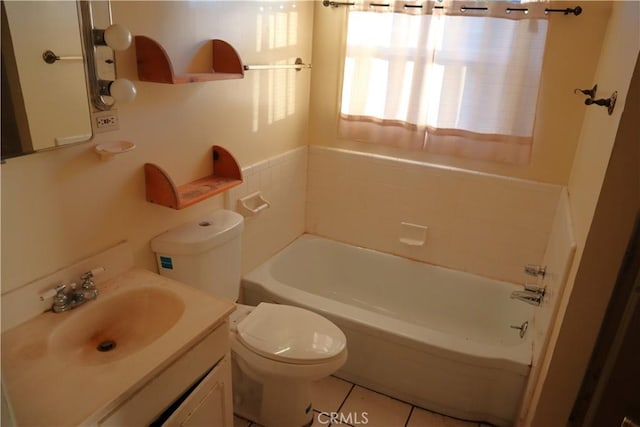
[105, 121]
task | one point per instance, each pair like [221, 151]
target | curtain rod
[567, 11]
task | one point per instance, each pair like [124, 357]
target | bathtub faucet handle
[532, 294]
[535, 270]
[529, 287]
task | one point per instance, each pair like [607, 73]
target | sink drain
[106, 345]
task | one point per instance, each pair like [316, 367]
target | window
[449, 82]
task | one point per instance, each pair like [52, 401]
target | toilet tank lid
[200, 235]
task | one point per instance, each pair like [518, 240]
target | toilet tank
[204, 253]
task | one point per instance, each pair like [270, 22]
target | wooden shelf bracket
[154, 64]
[161, 190]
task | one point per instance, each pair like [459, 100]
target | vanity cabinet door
[158, 395]
[209, 404]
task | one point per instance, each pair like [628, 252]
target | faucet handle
[92, 273]
[57, 290]
[60, 298]
[88, 285]
[87, 279]
[534, 288]
[535, 270]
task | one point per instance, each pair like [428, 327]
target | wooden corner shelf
[161, 190]
[154, 64]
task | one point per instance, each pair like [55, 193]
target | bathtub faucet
[535, 270]
[532, 294]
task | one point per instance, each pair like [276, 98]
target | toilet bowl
[277, 351]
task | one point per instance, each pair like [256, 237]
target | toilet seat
[290, 334]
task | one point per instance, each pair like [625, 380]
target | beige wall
[572, 51]
[61, 206]
[604, 201]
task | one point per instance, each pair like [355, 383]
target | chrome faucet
[67, 299]
[63, 299]
[532, 294]
[88, 285]
[535, 270]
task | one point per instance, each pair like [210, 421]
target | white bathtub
[438, 338]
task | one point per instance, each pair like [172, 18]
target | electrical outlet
[106, 121]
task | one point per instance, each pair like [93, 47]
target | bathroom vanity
[148, 351]
[192, 391]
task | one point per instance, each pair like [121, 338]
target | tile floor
[367, 408]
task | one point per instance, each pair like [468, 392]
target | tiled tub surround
[558, 259]
[282, 181]
[438, 338]
[480, 223]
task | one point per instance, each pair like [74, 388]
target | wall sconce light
[100, 67]
[115, 36]
[122, 90]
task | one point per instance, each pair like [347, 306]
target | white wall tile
[281, 180]
[558, 259]
[486, 224]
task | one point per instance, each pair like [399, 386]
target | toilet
[277, 350]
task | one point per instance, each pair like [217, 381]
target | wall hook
[610, 102]
[591, 93]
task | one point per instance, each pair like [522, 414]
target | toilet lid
[290, 334]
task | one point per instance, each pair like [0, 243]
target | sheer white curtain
[454, 82]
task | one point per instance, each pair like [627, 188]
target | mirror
[44, 104]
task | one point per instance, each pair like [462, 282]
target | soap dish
[109, 149]
[252, 204]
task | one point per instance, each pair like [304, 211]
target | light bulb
[117, 37]
[122, 90]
